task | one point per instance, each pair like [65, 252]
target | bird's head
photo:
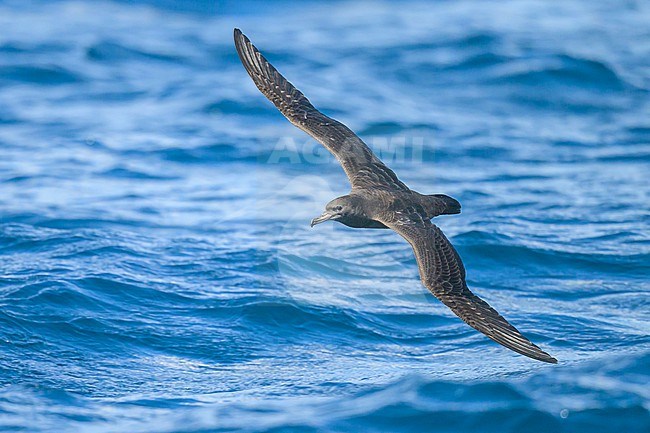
[336, 209]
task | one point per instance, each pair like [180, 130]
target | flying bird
[378, 199]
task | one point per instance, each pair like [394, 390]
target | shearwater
[378, 199]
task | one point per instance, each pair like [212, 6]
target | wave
[494, 248]
[411, 403]
[46, 75]
[564, 70]
[112, 52]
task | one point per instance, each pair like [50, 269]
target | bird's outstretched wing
[443, 273]
[362, 167]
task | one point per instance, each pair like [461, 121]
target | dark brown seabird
[378, 199]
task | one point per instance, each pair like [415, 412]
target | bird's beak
[321, 219]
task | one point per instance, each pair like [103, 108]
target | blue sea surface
[157, 268]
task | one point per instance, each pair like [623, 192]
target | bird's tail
[446, 204]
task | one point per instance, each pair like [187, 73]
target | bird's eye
[338, 208]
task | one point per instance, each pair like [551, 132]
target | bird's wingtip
[543, 356]
[240, 38]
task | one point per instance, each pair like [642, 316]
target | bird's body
[370, 206]
[378, 199]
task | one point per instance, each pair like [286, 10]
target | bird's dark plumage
[363, 168]
[380, 200]
[443, 273]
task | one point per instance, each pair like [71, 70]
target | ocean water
[158, 272]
